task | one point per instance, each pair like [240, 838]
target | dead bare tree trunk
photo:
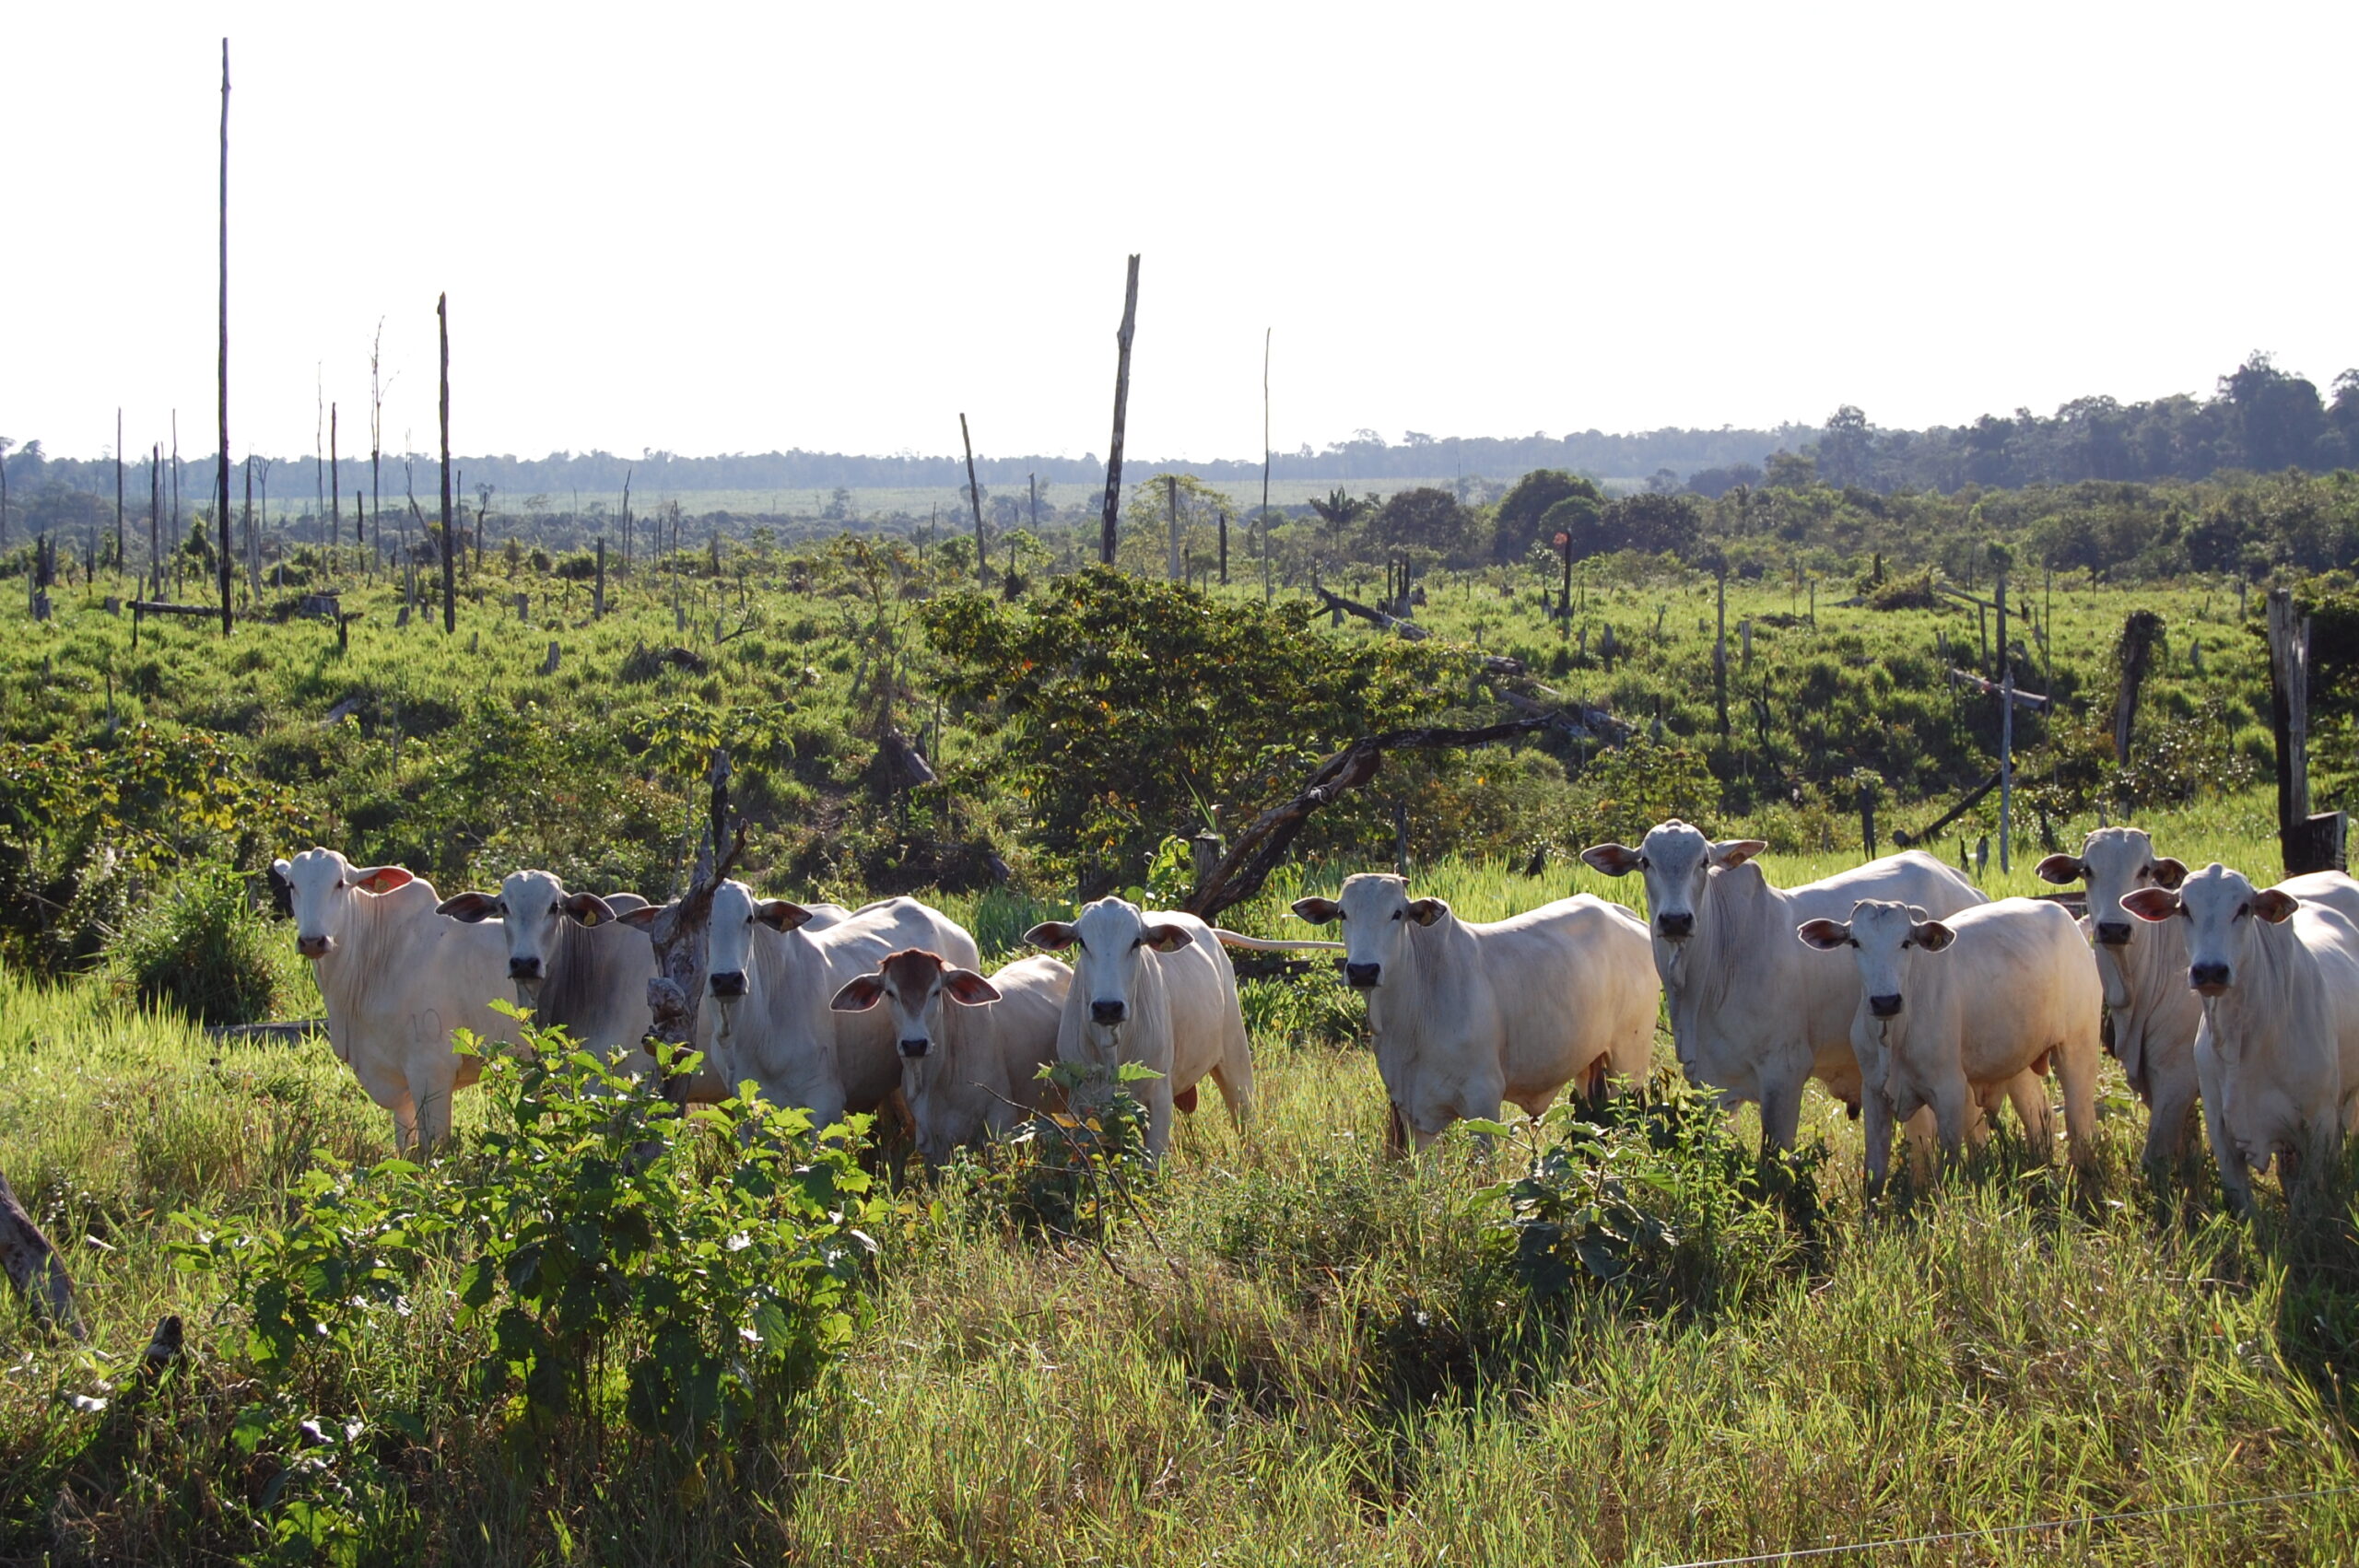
[975, 495]
[2134, 657]
[335, 493]
[450, 589]
[222, 474]
[34, 1267]
[1107, 525]
[156, 517]
[681, 928]
[119, 556]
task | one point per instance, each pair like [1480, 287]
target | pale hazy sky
[715, 229]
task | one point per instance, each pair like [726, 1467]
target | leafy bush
[1654, 1201]
[714, 1264]
[201, 948]
[1069, 1175]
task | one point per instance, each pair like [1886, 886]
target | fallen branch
[1574, 714]
[1904, 839]
[1408, 630]
[1259, 849]
[290, 1032]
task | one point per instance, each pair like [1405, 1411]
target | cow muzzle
[915, 1049]
[525, 969]
[1675, 927]
[2208, 979]
[1885, 1006]
[2113, 933]
[1109, 1013]
[1362, 977]
[314, 946]
[729, 984]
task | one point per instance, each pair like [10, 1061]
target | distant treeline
[2260, 418]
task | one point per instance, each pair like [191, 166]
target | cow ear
[2152, 903]
[588, 909]
[781, 914]
[641, 919]
[380, 880]
[1824, 935]
[858, 994]
[1426, 911]
[2274, 907]
[1318, 911]
[469, 907]
[2168, 873]
[965, 987]
[1053, 935]
[2066, 869]
[1614, 859]
[1931, 935]
[1731, 853]
[1167, 936]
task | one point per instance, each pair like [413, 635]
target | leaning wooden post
[681, 928]
[1868, 812]
[221, 467]
[1106, 524]
[975, 495]
[2306, 843]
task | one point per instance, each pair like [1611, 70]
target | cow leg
[1593, 1080]
[1951, 1102]
[2076, 1067]
[2166, 1121]
[1238, 1097]
[1781, 1113]
[2235, 1179]
[405, 1125]
[1875, 1127]
[1396, 1132]
[1159, 1118]
[2028, 1093]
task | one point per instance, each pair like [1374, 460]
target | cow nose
[1108, 1011]
[312, 946]
[1675, 927]
[914, 1047]
[729, 983]
[523, 968]
[1362, 977]
[2209, 978]
[2114, 933]
[1885, 1006]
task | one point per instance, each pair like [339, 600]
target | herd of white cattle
[1897, 984]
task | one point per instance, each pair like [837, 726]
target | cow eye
[1137, 942]
[1643, 864]
[1396, 914]
[553, 907]
[1852, 940]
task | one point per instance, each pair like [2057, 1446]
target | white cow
[1156, 990]
[1466, 1016]
[570, 958]
[970, 1069]
[1956, 1014]
[773, 970]
[2277, 1054]
[1754, 1012]
[2144, 966]
[397, 979]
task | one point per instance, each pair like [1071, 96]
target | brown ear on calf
[965, 987]
[2152, 903]
[781, 914]
[2168, 873]
[589, 909]
[1053, 935]
[2274, 907]
[469, 907]
[858, 994]
[1318, 911]
[1614, 859]
[382, 880]
[1167, 938]
[1426, 911]
[1824, 935]
[2065, 870]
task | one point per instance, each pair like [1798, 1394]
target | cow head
[1107, 940]
[2222, 909]
[2115, 862]
[1676, 861]
[730, 957]
[1887, 938]
[535, 907]
[321, 887]
[1376, 912]
[916, 983]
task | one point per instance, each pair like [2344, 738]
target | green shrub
[201, 948]
[1065, 1175]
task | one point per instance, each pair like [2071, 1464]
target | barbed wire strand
[2080, 1521]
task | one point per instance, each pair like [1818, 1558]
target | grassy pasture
[1312, 1356]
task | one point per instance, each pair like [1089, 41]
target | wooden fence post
[1106, 532]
